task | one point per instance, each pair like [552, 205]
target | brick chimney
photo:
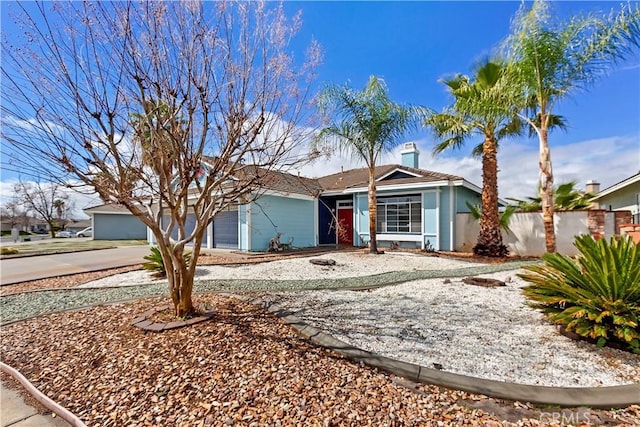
[592, 187]
[410, 155]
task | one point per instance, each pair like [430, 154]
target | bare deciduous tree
[47, 200]
[171, 109]
[16, 214]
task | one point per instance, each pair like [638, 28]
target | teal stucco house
[416, 209]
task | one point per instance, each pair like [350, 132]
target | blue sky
[413, 44]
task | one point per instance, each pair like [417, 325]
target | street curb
[594, 397]
[59, 410]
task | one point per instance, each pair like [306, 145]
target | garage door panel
[225, 230]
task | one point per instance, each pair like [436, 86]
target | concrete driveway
[16, 270]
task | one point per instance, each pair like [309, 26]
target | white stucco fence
[527, 232]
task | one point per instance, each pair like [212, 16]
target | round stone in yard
[320, 261]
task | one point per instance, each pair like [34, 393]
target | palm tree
[551, 60]
[367, 123]
[480, 109]
[58, 205]
[565, 198]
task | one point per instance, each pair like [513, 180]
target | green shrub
[156, 263]
[8, 251]
[597, 295]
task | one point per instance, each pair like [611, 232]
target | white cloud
[606, 160]
[79, 200]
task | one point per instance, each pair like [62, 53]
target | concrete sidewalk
[15, 412]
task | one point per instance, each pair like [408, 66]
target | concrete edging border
[59, 410]
[141, 321]
[594, 397]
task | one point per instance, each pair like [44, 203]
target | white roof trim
[619, 186]
[109, 213]
[283, 194]
[407, 186]
[382, 178]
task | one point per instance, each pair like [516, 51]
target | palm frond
[366, 123]
[597, 295]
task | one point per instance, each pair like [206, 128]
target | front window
[400, 214]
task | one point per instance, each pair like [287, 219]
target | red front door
[345, 226]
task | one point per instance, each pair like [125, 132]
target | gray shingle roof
[355, 178]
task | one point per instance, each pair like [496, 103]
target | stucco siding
[243, 227]
[430, 219]
[118, 227]
[446, 218]
[294, 218]
[527, 232]
[430, 216]
[361, 223]
[464, 195]
[623, 199]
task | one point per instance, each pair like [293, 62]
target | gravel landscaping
[246, 367]
[470, 330]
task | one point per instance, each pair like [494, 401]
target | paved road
[17, 270]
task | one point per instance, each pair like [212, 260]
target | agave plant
[156, 264]
[597, 295]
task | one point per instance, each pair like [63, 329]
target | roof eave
[618, 186]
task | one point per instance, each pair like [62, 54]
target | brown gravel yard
[244, 367]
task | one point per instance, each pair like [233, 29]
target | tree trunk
[180, 281]
[546, 187]
[185, 303]
[490, 236]
[373, 212]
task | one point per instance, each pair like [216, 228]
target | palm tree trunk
[490, 237]
[546, 188]
[373, 212]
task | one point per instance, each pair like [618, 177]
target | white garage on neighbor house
[114, 222]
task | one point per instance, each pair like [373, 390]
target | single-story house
[416, 209]
[622, 196]
[27, 224]
[115, 222]
[75, 225]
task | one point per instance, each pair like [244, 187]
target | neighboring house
[75, 225]
[28, 224]
[6, 225]
[416, 209]
[115, 222]
[623, 196]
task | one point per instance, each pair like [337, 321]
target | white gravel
[348, 264]
[471, 330]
